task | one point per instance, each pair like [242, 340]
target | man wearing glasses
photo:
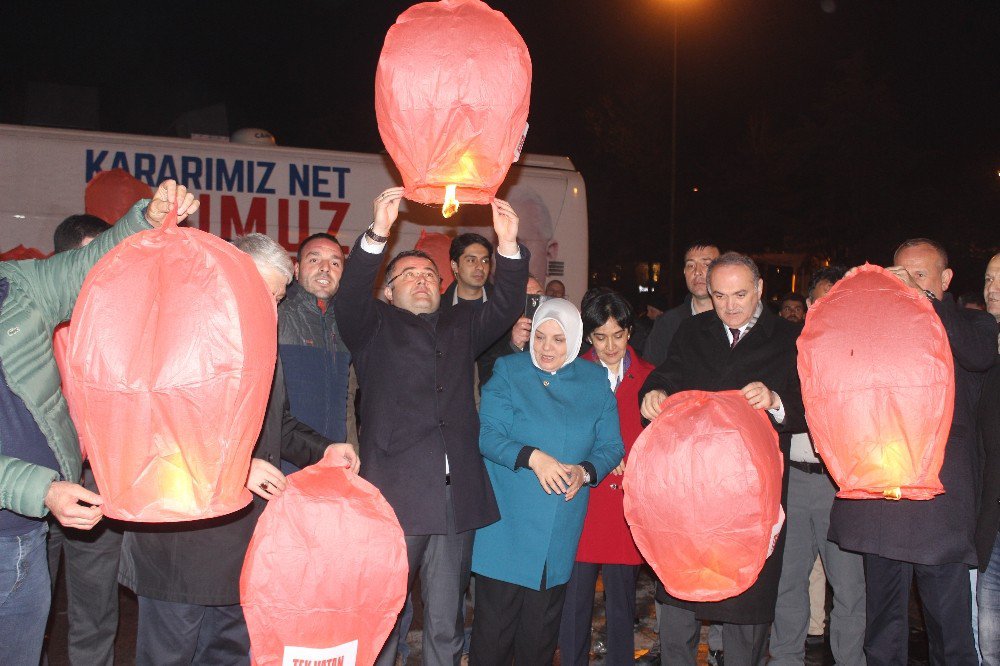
[419, 430]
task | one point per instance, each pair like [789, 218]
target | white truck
[286, 193]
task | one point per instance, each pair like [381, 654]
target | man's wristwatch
[374, 236]
[930, 294]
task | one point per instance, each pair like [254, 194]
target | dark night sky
[835, 127]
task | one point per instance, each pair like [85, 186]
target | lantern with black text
[171, 355]
[325, 573]
[703, 494]
[878, 383]
[451, 97]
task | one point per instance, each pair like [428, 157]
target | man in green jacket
[39, 453]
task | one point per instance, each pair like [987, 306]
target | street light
[673, 166]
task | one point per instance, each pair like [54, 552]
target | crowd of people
[496, 418]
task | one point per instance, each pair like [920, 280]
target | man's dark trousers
[90, 569]
[444, 562]
[947, 603]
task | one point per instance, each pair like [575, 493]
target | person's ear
[946, 276]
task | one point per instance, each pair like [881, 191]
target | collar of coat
[710, 322]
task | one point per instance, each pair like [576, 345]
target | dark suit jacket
[939, 530]
[664, 328]
[415, 374]
[199, 562]
[500, 347]
[700, 359]
[988, 433]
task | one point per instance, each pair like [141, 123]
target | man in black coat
[187, 575]
[988, 527]
[419, 434]
[696, 260]
[740, 345]
[931, 540]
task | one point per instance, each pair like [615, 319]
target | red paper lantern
[703, 494]
[438, 246]
[111, 193]
[21, 252]
[451, 97]
[171, 355]
[325, 573]
[878, 383]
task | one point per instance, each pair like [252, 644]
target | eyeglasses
[413, 274]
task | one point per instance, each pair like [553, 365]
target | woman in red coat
[606, 543]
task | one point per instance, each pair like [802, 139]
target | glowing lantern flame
[894, 459]
[177, 485]
[451, 204]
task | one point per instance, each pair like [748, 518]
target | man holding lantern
[739, 345]
[419, 428]
[186, 575]
[930, 540]
[40, 459]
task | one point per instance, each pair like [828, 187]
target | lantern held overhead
[878, 383]
[171, 356]
[703, 494]
[451, 97]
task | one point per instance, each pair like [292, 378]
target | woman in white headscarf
[549, 432]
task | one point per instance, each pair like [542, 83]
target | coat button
[441, 423]
[270, 458]
[440, 389]
[439, 353]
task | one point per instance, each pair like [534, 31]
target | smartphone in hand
[531, 303]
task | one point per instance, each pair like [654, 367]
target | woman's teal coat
[572, 415]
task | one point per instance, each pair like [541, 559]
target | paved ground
[646, 637]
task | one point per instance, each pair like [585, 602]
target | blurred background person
[552, 413]
[697, 257]
[793, 308]
[988, 525]
[646, 316]
[800, 610]
[555, 289]
[606, 544]
[972, 300]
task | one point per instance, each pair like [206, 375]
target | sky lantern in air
[171, 356]
[703, 494]
[878, 383]
[451, 97]
[325, 574]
